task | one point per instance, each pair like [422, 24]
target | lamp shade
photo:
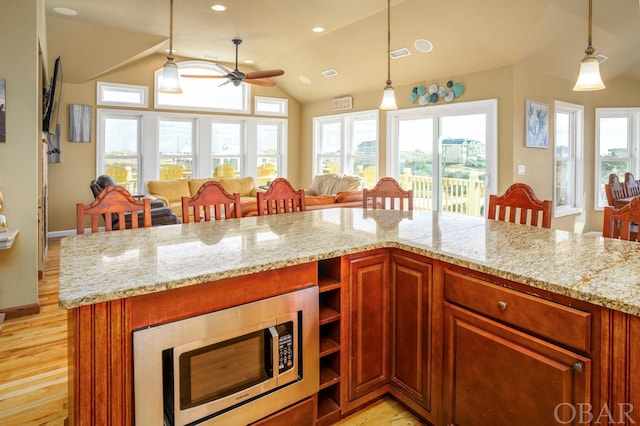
[170, 82]
[388, 99]
[589, 76]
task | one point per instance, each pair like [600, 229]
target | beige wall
[69, 180]
[20, 23]
[511, 86]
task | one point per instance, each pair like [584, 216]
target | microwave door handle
[273, 333]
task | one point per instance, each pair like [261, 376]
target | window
[569, 140]
[347, 143]
[447, 154]
[175, 145]
[150, 146]
[203, 94]
[271, 106]
[119, 139]
[617, 144]
[126, 95]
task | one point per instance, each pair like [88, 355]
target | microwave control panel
[285, 346]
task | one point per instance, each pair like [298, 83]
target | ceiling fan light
[589, 77]
[388, 98]
[170, 81]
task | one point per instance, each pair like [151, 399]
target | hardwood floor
[33, 366]
[33, 358]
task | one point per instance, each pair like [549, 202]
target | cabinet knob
[578, 367]
[502, 305]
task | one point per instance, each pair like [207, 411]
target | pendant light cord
[388, 42]
[590, 50]
[170, 30]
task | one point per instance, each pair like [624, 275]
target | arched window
[203, 94]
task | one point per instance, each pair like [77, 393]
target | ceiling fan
[236, 77]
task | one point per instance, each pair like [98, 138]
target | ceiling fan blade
[202, 76]
[264, 74]
[225, 69]
[259, 82]
[226, 82]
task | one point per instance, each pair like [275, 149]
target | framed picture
[537, 125]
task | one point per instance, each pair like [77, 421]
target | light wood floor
[33, 366]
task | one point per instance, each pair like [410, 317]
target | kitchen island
[593, 283]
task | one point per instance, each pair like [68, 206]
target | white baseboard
[60, 234]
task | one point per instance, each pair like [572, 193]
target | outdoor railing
[464, 196]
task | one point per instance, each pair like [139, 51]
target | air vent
[399, 53]
[341, 104]
[330, 73]
[601, 57]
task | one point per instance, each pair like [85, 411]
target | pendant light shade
[170, 81]
[389, 95]
[589, 76]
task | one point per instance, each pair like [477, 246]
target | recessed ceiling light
[304, 79]
[65, 11]
[248, 61]
[423, 45]
[214, 57]
[218, 8]
[317, 29]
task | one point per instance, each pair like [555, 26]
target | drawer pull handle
[578, 367]
[502, 305]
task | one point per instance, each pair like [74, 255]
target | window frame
[347, 155]
[575, 157]
[633, 146]
[202, 163]
[102, 87]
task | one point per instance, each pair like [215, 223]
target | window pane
[331, 138]
[175, 137]
[415, 157]
[268, 139]
[226, 138]
[606, 168]
[563, 136]
[364, 138]
[564, 184]
[121, 136]
[614, 137]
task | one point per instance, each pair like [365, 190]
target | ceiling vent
[330, 73]
[399, 53]
[341, 104]
[601, 57]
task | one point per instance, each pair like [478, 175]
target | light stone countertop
[112, 265]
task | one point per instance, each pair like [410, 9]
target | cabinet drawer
[562, 324]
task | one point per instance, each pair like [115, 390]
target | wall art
[79, 123]
[536, 125]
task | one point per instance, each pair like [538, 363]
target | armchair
[160, 214]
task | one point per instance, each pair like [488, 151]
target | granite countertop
[112, 265]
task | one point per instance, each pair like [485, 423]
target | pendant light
[589, 76]
[389, 96]
[170, 82]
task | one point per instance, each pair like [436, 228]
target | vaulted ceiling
[549, 36]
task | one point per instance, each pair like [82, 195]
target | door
[411, 296]
[499, 376]
[368, 324]
[447, 154]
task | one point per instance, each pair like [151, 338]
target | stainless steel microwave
[232, 366]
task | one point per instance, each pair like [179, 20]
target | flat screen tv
[51, 98]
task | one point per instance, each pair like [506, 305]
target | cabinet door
[499, 376]
[410, 296]
[368, 324]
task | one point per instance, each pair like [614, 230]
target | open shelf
[330, 288]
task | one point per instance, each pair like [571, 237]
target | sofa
[334, 190]
[170, 192]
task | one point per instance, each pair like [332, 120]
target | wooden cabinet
[300, 414]
[331, 307]
[412, 345]
[512, 358]
[368, 326]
